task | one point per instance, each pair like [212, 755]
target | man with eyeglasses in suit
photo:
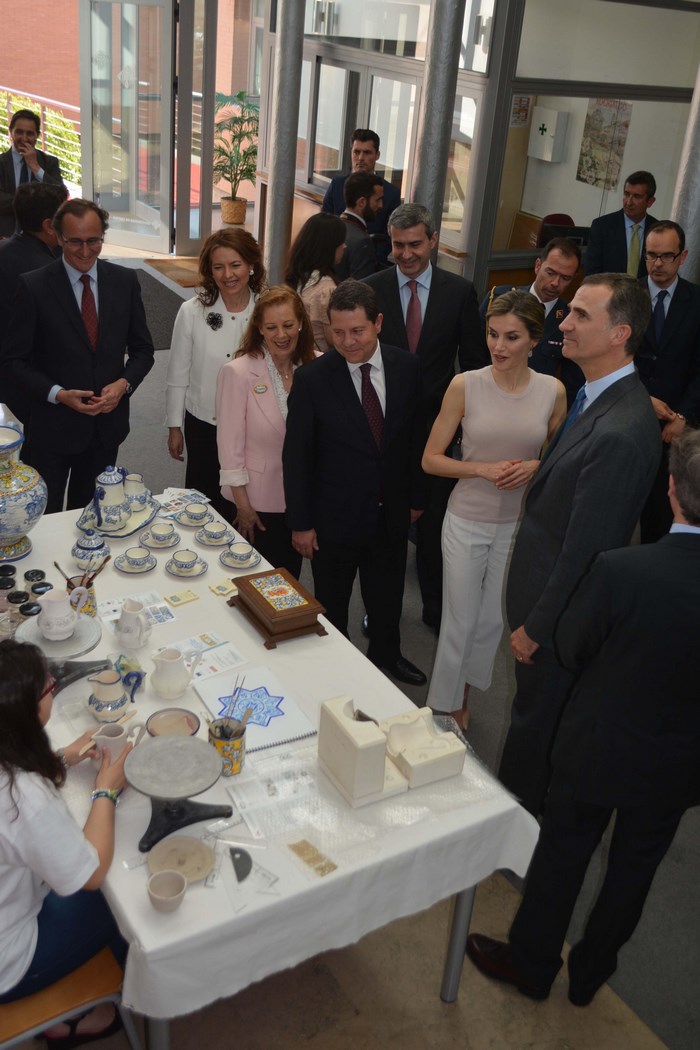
[78, 344]
[668, 359]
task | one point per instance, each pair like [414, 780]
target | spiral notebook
[276, 718]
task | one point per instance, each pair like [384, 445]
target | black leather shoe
[403, 671]
[494, 960]
[580, 998]
[364, 626]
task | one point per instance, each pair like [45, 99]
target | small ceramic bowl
[166, 890]
[185, 559]
[173, 721]
[136, 557]
[195, 512]
[162, 532]
[240, 551]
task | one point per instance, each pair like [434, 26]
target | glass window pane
[330, 120]
[458, 162]
[476, 35]
[609, 42]
[303, 125]
[394, 28]
[596, 156]
[391, 114]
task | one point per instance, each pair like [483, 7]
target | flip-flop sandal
[76, 1038]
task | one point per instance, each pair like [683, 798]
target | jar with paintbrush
[227, 734]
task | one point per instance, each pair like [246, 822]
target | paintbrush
[96, 574]
[70, 585]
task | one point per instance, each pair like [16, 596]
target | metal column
[289, 48]
[686, 199]
[435, 117]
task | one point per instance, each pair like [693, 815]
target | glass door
[126, 102]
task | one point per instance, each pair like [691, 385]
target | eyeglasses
[77, 242]
[664, 257]
[50, 687]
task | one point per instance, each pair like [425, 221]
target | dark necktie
[89, 311]
[23, 172]
[574, 412]
[659, 314]
[414, 322]
[372, 405]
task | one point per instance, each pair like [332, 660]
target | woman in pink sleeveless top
[507, 412]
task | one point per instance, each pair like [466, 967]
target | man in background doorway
[616, 241]
[23, 162]
[364, 193]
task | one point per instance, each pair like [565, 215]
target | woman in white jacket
[208, 331]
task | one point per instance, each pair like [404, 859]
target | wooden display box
[277, 605]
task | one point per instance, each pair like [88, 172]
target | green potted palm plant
[235, 149]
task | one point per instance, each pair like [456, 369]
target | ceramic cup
[90, 606]
[113, 738]
[240, 551]
[214, 530]
[136, 557]
[166, 890]
[185, 559]
[196, 512]
[162, 532]
[173, 721]
[232, 750]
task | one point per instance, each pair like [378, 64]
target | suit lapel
[675, 316]
[105, 303]
[259, 375]
[63, 292]
[392, 306]
[434, 305]
[584, 425]
[344, 387]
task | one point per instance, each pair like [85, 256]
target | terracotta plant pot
[233, 210]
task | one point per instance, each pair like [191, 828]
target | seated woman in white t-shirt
[51, 920]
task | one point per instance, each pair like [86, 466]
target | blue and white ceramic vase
[23, 496]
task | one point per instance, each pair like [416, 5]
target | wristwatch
[129, 388]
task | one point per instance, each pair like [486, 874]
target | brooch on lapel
[559, 314]
[214, 321]
[259, 389]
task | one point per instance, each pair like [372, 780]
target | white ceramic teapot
[132, 629]
[171, 676]
[59, 612]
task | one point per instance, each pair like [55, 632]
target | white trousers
[475, 555]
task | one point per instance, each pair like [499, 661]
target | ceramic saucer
[121, 565]
[228, 562]
[225, 539]
[146, 540]
[197, 569]
[190, 856]
[182, 519]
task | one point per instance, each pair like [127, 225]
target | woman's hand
[176, 443]
[71, 753]
[110, 776]
[494, 471]
[247, 522]
[517, 474]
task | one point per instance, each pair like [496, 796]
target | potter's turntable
[170, 769]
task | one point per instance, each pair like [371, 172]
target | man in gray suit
[585, 498]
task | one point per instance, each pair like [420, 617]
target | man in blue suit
[555, 269]
[364, 156]
[23, 163]
[616, 241]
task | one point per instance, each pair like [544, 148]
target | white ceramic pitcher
[132, 629]
[59, 612]
[171, 676]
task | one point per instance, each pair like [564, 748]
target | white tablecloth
[424, 846]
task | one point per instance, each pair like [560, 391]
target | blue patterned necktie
[574, 412]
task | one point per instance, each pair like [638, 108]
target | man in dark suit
[585, 498]
[352, 475]
[668, 359]
[555, 269]
[34, 246]
[446, 330]
[364, 154]
[616, 241]
[23, 163]
[628, 742]
[364, 194]
[71, 327]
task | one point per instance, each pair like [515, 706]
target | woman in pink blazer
[251, 413]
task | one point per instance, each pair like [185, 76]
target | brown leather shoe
[493, 959]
